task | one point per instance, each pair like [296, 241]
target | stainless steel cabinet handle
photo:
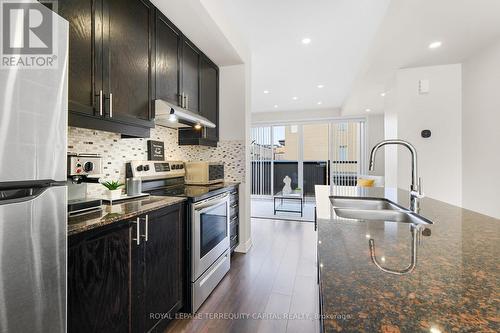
[137, 231]
[100, 102]
[111, 105]
[146, 235]
[187, 102]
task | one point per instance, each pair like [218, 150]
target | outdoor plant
[112, 185]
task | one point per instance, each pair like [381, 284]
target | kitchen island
[454, 286]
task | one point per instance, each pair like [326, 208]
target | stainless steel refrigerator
[33, 144]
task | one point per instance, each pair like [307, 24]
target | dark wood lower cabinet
[163, 267]
[99, 279]
[117, 285]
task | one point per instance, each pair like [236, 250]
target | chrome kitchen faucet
[416, 183]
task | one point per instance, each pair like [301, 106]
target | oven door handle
[211, 202]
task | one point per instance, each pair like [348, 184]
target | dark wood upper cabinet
[128, 60]
[85, 50]
[209, 96]
[209, 107]
[190, 76]
[124, 54]
[110, 64]
[167, 76]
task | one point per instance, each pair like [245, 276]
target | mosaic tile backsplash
[116, 151]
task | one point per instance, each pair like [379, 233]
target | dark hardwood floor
[272, 287]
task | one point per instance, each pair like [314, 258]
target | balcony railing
[315, 173]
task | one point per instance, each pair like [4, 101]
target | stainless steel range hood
[173, 116]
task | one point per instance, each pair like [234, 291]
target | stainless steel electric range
[208, 215]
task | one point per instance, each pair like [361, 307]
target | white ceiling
[340, 32]
[463, 26]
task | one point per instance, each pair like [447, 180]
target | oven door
[210, 232]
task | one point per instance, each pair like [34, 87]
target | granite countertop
[119, 212]
[453, 288]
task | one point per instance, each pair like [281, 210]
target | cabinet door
[209, 96]
[85, 54]
[168, 41]
[127, 65]
[190, 76]
[163, 265]
[100, 280]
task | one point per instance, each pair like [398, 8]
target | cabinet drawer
[233, 230]
[233, 209]
[234, 242]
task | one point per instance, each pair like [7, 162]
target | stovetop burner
[189, 191]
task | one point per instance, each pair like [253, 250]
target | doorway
[299, 156]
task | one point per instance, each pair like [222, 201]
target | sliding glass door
[309, 153]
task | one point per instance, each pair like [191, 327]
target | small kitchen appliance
[83, 169]
[204, 173]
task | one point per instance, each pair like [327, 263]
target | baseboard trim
[244, 247]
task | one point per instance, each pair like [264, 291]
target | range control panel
[156, 169]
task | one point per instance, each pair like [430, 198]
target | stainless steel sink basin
[381, 215]
[374, 209]
[364, 203]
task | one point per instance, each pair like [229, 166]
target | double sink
[377, 209]
[374, 209]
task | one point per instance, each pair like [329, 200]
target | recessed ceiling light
[368, 110]
[306, 40]
[275, 106]
[319, 103]
[295, 98]
[320, 86]
[435, 330]
[435, 45]
[266, 91]
[383, 94]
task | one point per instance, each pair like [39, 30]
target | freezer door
[33, 260]
[33, 117]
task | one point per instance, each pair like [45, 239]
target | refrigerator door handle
[21, 195]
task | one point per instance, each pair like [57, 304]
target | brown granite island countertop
[453, 288]
[119, 212]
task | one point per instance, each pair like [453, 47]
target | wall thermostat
[426, 134]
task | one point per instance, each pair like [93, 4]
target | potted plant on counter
[114, 191]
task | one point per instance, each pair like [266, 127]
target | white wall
[440, 110]
[235, 125]
[375, 134]
[391, 132]
[232, 102]
[481, 132]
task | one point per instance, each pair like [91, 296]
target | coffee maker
[82, 170]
